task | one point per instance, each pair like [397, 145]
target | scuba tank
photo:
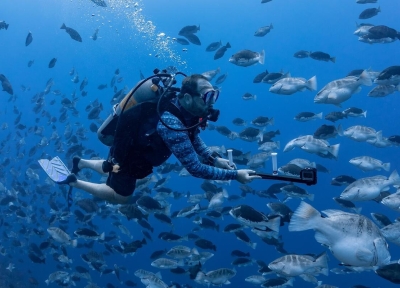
[144, 91]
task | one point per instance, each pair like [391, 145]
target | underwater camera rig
[308, 175]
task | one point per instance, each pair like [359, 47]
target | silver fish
[353, 239]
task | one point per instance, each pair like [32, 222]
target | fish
[262, 31]
[338, 91]
[28, 39]
[250, 217]
[239, 122]
[355, 112]
[307, 116]
[245, 58]
[221, 51]
[293, 191]
[6, 85]
[389, 76]
[192, 39]
[360, 133]
[72, 33]
[295, 265]
[100, 3]
[366, 1]
[89, 234]
[52, 62]
[291, 85]
[322, 56]
[381, 220]
[182, 41]
[263, 121]
[215, 277]
[302, 54]
[273, 77]
[260, 77]
[251, 134]
[30, 63]
[335, 116]
[249, 96]
[211, 74]
[205, 244]
[4, 25]
[190, 29]
[392, 201]
[347, 204]
[223, 77]
[368, 188]
[390, 272]
[94, 36]
[366, 163]
[61, 237]
[369, 13]
[213, 46]
[164, 263]
[342, 180]
[383, 90]
[353, 239]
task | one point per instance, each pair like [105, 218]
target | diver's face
[195, 103]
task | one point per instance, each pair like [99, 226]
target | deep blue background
[309, 25]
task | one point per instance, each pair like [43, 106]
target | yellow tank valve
[154, 87]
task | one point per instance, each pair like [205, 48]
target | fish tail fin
[365, 78]
[365, 114]
[167, 210]
[225, 193]
[262, 57]
[274, 224]
[311, 197]
[277, 132]
[271, 26]
[7, 26]
[340, 130]
[261, 135]
[357, 210]
[334, 150]
[333, 59]
[395, 178]
[63, 26]
[255, 97]
[200, 277]
[378, 136]
[278, 144]
[74, 243]
[253, 245]
[271, 121]
[312, 83]
[304, 218]
[386, 166]
[228, 45]
[322, 261]
[223, 149]
[319, 115]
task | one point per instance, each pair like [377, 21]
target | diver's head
[197, 95]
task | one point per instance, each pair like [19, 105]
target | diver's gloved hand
[224, 164]
[244, 176]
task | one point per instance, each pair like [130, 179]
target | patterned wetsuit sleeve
[180, 145]
[201, 147]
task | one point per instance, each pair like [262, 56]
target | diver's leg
[102, 191]
[96, 165]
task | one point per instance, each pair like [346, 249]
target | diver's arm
[201, 148]
[180, 145]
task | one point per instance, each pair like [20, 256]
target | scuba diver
[140, 141]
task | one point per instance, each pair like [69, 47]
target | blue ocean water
[128, 40]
